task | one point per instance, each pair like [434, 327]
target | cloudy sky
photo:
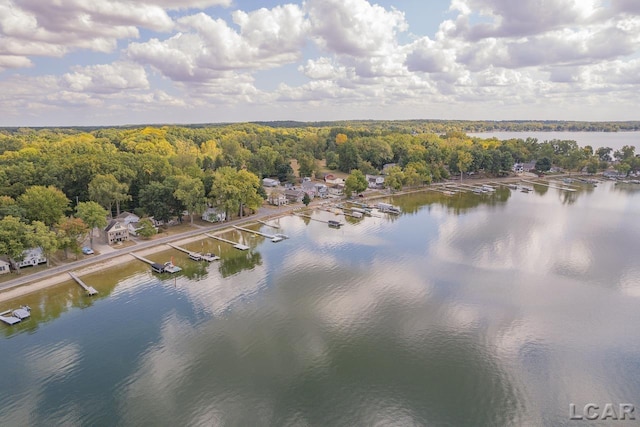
[110, 62]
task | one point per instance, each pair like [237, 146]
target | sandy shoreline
[57, 278]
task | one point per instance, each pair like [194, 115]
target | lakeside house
[214, 215]
[386, 167]
[31, 257]
[331, 179]
[524, 167]
[5, 266]
[116, 232]
[127, 218]
[277, 198]
[375, 181]
[294, 196]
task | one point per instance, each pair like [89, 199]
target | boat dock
[196, 256]
[236, 245]
[330, 222]
[548, 185]
[90, 290]
[275, 238]
[143, 259]
[11, 317]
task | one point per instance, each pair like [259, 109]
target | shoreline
[30, 285]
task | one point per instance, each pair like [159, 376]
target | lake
[615, 140]
[465, 310]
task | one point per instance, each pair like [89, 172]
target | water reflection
[485, 317]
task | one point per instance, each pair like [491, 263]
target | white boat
[195, 256]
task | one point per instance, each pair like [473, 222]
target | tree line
[62, 180]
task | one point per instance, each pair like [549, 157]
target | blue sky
[112, 62]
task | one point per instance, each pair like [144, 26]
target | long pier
[236, 245]
[548, 185]
[90, 290]
[181, 249]
[143, 259]
[310, 217]
[277, 227]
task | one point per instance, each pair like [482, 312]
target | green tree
[233, 190]
[190, 192]
[93, 215]
[46, 204]
[107, 190]
[155, 199]
[44, 238]
[395, 178]
[543, 164]
[356, 183]
[15, 238]
[146, 228]
[306, 165]
[306, 199]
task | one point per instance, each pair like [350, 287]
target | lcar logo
[610, 411]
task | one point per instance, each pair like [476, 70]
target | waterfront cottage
[33, 256]
[214, 215]
[375, 181]
[277, 199]
[116, 232]
[294, 196]
[5, 266]
[127, 218]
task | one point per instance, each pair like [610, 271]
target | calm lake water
[470, 310]
[615, 140]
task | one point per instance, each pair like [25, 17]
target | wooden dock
[143, 259]
[310, 217]
[277, 227]
[257, 233]
[548, 185]
[236, 245]
[90, 290]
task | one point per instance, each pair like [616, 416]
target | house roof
[111, 225]
[126, 214]
[293, 192]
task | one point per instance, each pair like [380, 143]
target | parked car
[87, 250]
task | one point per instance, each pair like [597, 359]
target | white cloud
[355, 27]
[209, 47]
[106, 78]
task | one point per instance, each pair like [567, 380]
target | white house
[127, 218]
[375, 181]
[5, 266]
[33, 256]
[277, 199]
[214, 215]
[116, 232]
